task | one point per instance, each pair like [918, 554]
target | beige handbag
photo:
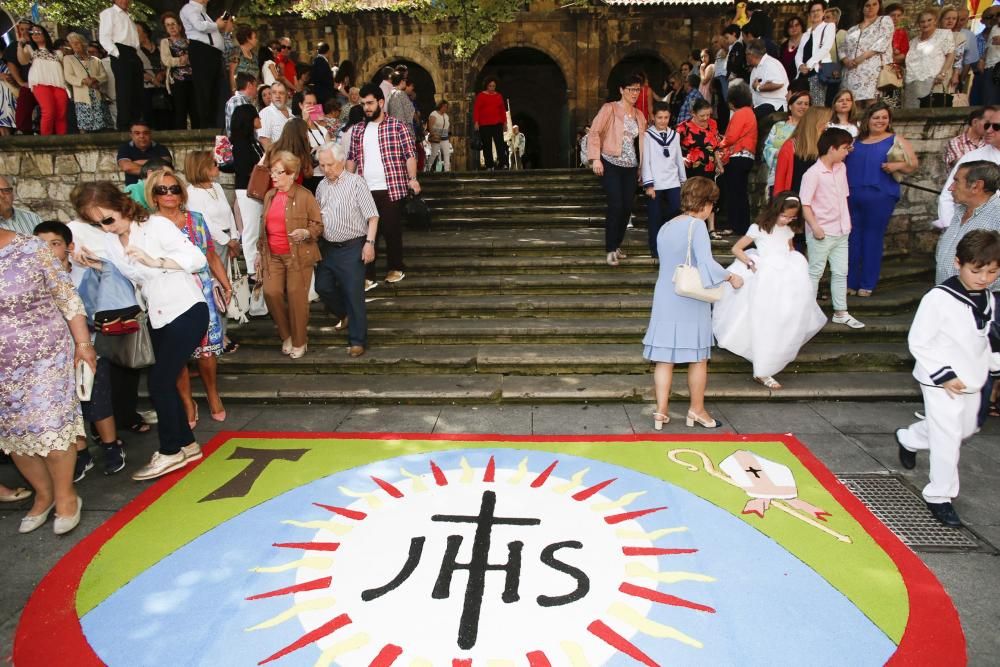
[687, 279]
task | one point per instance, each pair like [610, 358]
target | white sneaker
[192, 452]
[848, 320]
[160, 465]
[370, 285]
[149, 416]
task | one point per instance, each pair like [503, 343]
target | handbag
[258, 307]
[475, 142]
[897, 154]
[223, 150]
[687, 278]
[938, 100]
[829, 73]
[890, 76]
[161, 100]
[239, 302]
[416, 212]
[259, 183]
[84, 380]
[134, 350]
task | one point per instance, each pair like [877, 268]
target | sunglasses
[167, 190]
[991, 126]
[105, 222]
[34, 32]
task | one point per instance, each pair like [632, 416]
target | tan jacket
[75, 70]
[301, 212]
[607, 131]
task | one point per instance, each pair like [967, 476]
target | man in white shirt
[274, 116]
[768, 80]
[118, 36]
[990, 151]
[205, 55]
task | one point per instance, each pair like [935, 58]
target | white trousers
[442, 148]
[950, 420]
[250, 212]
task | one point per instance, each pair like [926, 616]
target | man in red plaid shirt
[383, 152]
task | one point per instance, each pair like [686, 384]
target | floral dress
[699, 146]
[178, 48]
[877, 37]
[245, 65]
[197, 231]
[39, 410]
[94, 115]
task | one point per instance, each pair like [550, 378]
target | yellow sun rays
[316, 604]
[352, 643]
[626, 614]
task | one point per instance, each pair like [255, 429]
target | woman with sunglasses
[168, 196]
[288, 250]
[46, 79]
[157, 257]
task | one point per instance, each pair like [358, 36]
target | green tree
[81, 13]
[466, 25]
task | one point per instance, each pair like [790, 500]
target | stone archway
[647, 61]
[540, 42]
[383, 57]
[423, 83]
[534, 85]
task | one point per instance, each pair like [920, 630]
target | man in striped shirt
[350, 225]
[16, 220]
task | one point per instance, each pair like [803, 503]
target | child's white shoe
[846, 318]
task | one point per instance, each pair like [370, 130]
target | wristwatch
[369, 241]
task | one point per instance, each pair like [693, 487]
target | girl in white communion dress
[775, 313]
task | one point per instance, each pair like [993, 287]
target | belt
[349, 242]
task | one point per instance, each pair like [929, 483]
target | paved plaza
[847, 437]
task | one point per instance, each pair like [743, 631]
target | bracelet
[84, 343]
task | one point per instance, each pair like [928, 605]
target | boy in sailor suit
[950, 340]
[663, 171]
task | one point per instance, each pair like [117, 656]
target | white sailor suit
[663, 170]
[949, 338]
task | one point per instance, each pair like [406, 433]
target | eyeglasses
[105, 222]
[161, 190]
[275, 173]
[34, 32]
[633, 89]
[991, 126]
[6, 191]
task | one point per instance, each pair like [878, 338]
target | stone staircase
[508, 299]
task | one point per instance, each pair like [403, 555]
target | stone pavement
[847, 437]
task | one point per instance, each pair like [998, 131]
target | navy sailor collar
[979, 302]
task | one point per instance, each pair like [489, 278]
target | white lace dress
[39, 410]
[775, 313]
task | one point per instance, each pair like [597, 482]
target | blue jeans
[619, 186]
[340, 283]
[173, 344]
[664, 205]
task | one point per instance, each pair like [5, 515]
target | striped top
[21, 222]
[346, 205]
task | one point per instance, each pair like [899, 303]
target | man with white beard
[274, 116]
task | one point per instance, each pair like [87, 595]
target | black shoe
[114, 457]
[84, 462]
[907, 458]
[946, 514]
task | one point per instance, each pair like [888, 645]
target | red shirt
[741, 134]
[287, 68]
[489, 109]
[277, 232]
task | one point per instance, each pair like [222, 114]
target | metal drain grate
[904, 512]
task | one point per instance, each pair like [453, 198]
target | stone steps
[433, 388]
[538, 360]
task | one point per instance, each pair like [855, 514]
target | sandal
[852, 292]
[231, 346]
[864, 292]
[140, 427]
[995, 409]
[714, 235]
[768, 382]
[726, 232]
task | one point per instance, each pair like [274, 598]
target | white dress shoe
[33, 522]
[64, 524]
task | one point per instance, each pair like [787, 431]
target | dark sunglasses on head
[104, 222]
[991, 126]
[167, 189]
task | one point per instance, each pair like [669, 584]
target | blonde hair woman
[288, 251]
[207, 197]
[801, 150]
[167, 196]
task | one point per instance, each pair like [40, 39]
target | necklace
[209, 190]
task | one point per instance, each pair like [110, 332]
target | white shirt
[198, 26]
[822, 37]
[993, 50]
[116, 27]
[659, 171]
[215, 208]
[770, 70]
[168, 292]
[267, 73]
[374, 169]
[946, 204]
[850, 128]
[387, 89]
[272, 122]
[442, 124]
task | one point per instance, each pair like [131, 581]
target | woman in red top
[738, 149]
[489, 115]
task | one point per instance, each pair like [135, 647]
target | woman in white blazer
[85, 75]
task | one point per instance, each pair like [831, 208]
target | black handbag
[161, 100]
[829, 73]
[416, 212]
[941, 100]
[133, 350]
[475, 143]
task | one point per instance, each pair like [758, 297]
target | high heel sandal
[692, 419]
[298, 352]
[768, 382]
[659, 420]
[194, 423]
[286, 345]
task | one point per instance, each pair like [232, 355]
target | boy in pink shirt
[824, 193]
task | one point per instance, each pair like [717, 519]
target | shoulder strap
[687, 261]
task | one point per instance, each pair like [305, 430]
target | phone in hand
[316, 112]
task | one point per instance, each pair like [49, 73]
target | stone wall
[47, 168]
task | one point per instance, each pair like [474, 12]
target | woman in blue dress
[879, 160]
[680, 328]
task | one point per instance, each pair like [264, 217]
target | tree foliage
[465, 25]
[81, 13]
